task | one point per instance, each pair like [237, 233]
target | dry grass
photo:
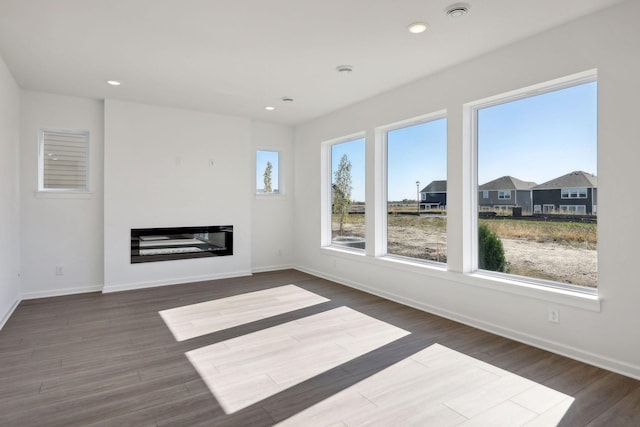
[572, 234]
[558, 251]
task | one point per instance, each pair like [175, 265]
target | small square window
[63, 160]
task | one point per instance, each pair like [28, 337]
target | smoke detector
[457, 10]
[344, 69]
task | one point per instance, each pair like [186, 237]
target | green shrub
[490, 250]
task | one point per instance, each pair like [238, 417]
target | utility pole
[418, 197]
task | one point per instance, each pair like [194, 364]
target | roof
[507, 183]
[436, 187]
[576, 179]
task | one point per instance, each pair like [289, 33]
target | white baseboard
[272, 268]
[174, 281]
[61, 292]
[590, 358]
[8, 314]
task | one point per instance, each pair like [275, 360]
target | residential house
[573, 193]
[504, 193]
[434, 195]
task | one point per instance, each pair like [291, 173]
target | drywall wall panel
[605, 41]
[9, 193]
[168, 167]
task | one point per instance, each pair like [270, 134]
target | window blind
[64, 160]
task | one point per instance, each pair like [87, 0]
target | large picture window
[417, 190]
[347, 194]
[543, 150]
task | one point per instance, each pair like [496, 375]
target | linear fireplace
[164, 244]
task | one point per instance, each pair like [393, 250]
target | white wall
[9, 193]
[60, 230]
[272, 215]
[157, 174]
[608, 41]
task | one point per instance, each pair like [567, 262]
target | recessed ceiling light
[457, 10]
[417, 27]
[269, 108]
[113, 82]
[344, 69]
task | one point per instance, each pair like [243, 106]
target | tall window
[63, 160]
[546, 145]
[267, 172]
[417, 191]
[348, 194]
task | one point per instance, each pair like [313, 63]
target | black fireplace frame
[176, 243]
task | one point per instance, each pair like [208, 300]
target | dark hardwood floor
[95, 359]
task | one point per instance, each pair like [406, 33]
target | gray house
[434, 195]
[573, 193]
[504, 193]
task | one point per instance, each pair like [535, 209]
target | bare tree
[342, 191]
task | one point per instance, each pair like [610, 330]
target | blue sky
[262, 157]
[355, 151]
[541, 137]
[533, 139]
[415, 153]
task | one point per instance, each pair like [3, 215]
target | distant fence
[541, 217]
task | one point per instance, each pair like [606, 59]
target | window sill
[335, 249]
[523, 288]
[568, 297]
[62, 194]
[274, 196]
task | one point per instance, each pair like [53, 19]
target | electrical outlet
[554, 315]
[59, 270]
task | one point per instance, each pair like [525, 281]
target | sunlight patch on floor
[195, 320]
[248, 369]
[439, 387]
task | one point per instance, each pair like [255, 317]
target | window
[574, 193]
[417, 163]
[485, 194]
[573, 209]
[267, 172]
[347, 193]
[544, 142]
[63, 160]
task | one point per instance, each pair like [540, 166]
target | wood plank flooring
[108, 360]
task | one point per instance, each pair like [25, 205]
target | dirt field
[545, 260]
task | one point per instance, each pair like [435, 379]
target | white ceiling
[237, 56]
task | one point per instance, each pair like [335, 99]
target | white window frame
[504, 194]
[42, 156]
[537, 209]
[325, 193]
[280, 191]
[470, 186]
[485, 194]
[548, 208]
[574, 193]
[381, 208]
[573, 209]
